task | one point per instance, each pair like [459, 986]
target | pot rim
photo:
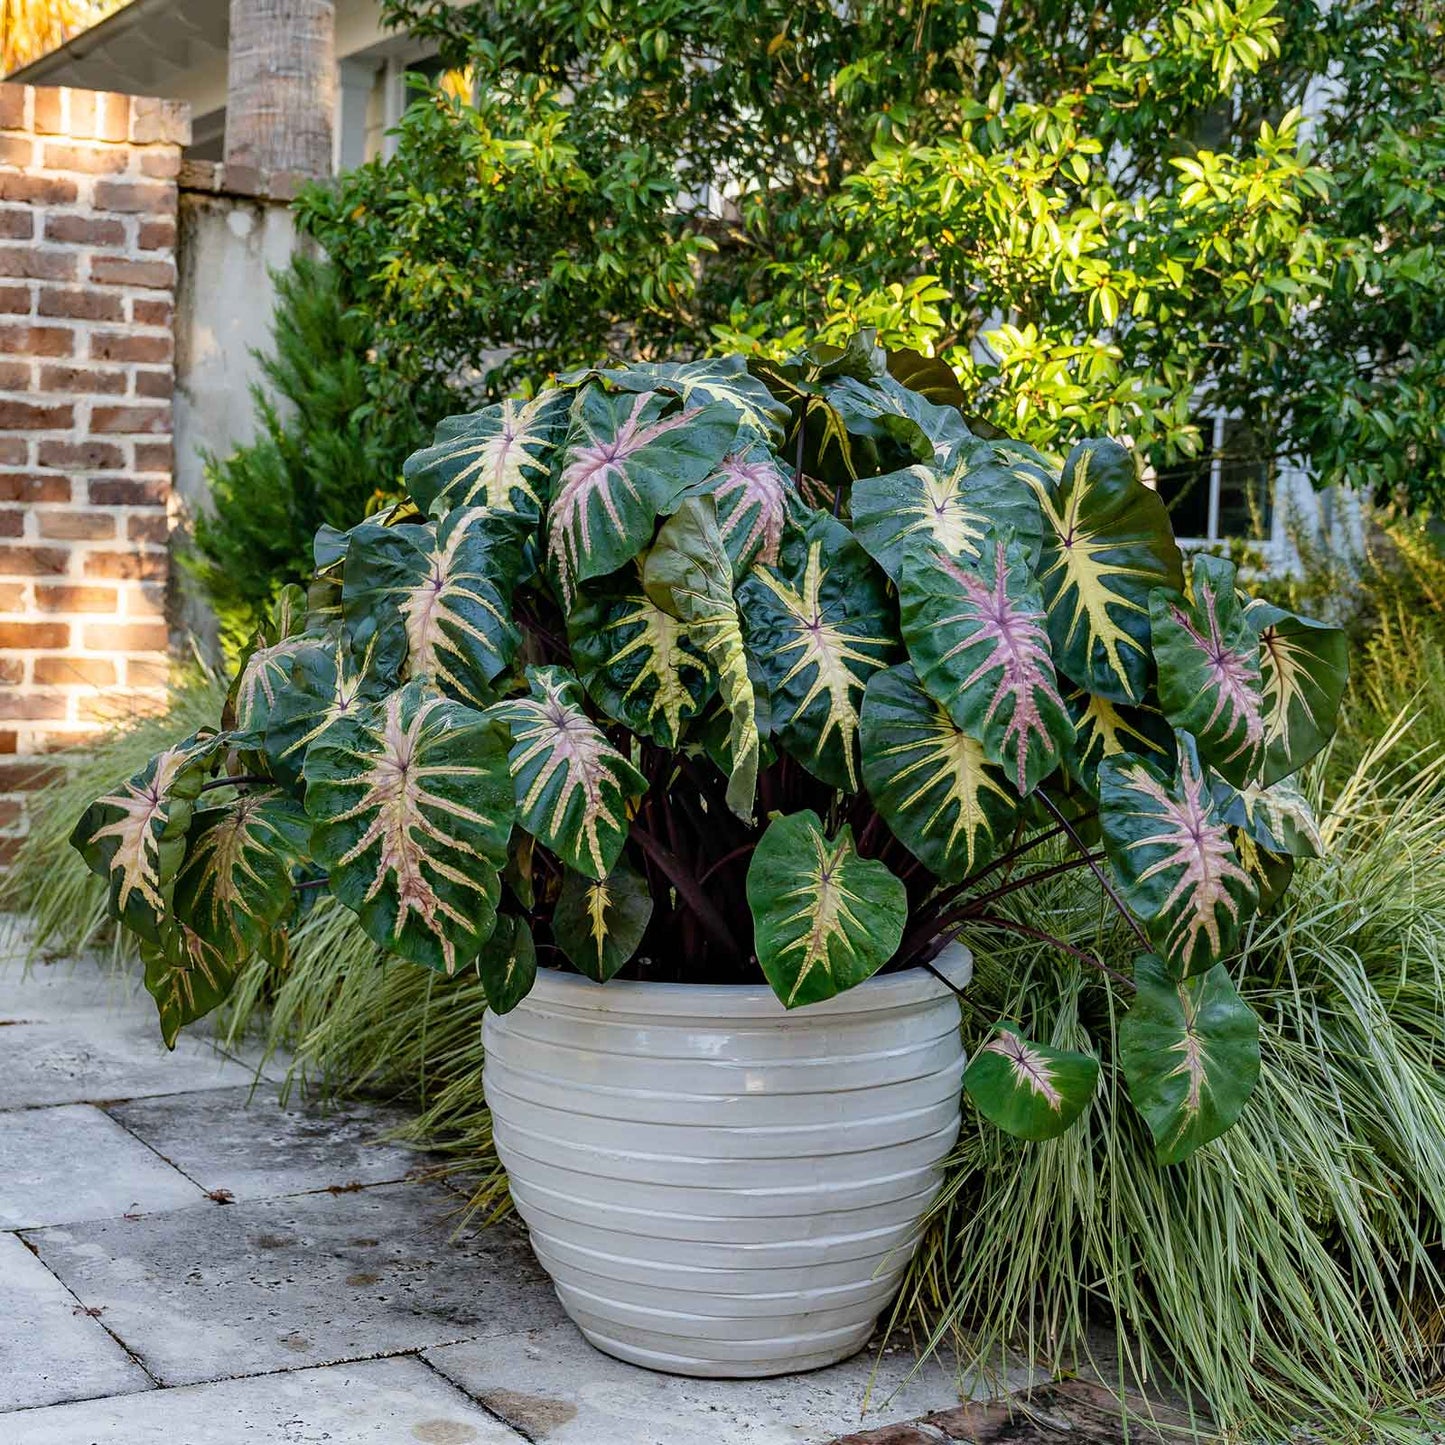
[904, 989]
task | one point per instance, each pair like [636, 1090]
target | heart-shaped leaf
[1104, 729]
[1278, 818]
[1107, 545]
[1304, 667]
[498, 458]
[411, 804]
[626, 459]
[819, 626]
[824, 919]
[940, 796]
[687, 574]
[976, 636]
[600, 922]
[897, 419]
[187, 977]
[1171, 851]
[755, 498]
[507, 964]
[1209, 679]
[235, 884]
[573, 787]
[1029, 1090]
[265, 666]
[135, 836]
[1190, 1053]
[640, 665]
[432, 602]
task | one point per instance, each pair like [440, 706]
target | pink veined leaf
[1028, 1066]
[1235, 678]
[752, 500]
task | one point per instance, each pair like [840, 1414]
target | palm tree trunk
[281, 86]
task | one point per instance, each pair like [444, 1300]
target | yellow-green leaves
[1107, 544]
[411, 804]
[824, 919]
[931, 782]
[1033, 1091]
[1304, 667]
[507, 964]
[600, 921]
[819, 625]
[573, 788]
[1190, 1054]
[1209, 680]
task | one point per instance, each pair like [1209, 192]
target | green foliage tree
[1102, 217]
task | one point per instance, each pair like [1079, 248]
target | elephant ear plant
[712, 672]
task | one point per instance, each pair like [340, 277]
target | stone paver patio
[183, 1260]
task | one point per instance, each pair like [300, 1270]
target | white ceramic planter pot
[718, 1186]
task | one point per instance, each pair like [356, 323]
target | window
[1225, 491]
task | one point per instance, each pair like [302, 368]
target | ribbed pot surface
[718, 1186]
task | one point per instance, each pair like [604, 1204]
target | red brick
[29, 416]
[11, 812]
[9, 741]
[147, 600]
[124, 637]
[20, 487]
[87, 671]
[130, 566]
[126, 420]
[62, 597]
[158, 384]
[9, 850]
[12, 522]
[112, 121]
[37, 190]
[14, 451]
[147, 312]
[17, 223]
[14, 376]
[131, 196]
[164, 165]
[12, 674]
[117, 271]
[82, 380]
[129, 494]
[142, 673]
[156, 236]
[36, 264]
[153, 120]
[81, 456]
[85, 230]
[113, 346]
[16, 150]
[75, 526]
[12, 596]
[36, 341]
[32, 561]
[112, 710]
[153, 526]
[34, 706]
[20, 777]
[85, 160]
[24, 636]
[46, 116]
[16, 300]
[82, 114]
[12, 106]
[80, 305]
[154, 456]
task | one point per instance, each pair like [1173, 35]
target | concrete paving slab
[105, 1056]
[73, 1163]
[52, 992]
[246, 1143]
[381, 1402]
[556, 1388]
[208, 1293]
[50, 1349]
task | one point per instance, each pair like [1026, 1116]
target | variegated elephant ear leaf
[755, 500]
[687, 574]
[600, 922]
[1278, 818]
[897, 420]
[573, 788]
[642, 666]
[186, 976]
[819, 625]
[699, 383]
[938, 793]
[824, 919]
[498, 458]
[265, 666]
[135, 836]
[1104, 729]
[1304, 667]
[1209, 678]
[411, 804]
[1190, 1054]
[1171, 852]
[975, 634]
[1033, 1091]
[627, 459]
[952, 503]
[235, 884]
[431, 602]
[327, 683]
[507, 964]
[1107, 545]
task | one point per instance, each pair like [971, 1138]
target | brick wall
[87, 290]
